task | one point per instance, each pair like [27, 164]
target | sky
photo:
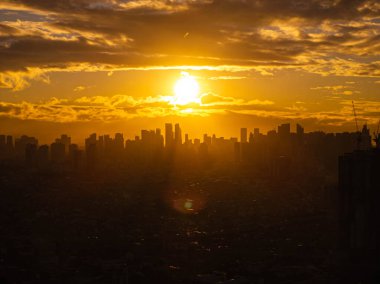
[106, 66]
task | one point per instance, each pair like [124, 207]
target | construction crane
[359, 138]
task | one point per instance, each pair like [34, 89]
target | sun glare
[186, 90]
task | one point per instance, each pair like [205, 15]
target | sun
[186, 90]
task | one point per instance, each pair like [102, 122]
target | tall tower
[168, 134]
[300, 130]
[119, 142]
[359, 211]
[10, 144]
[256, 132]
[178, 135]
[300, 134]
[243, 135]
[284, 130]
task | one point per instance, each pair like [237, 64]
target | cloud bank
[326, 37]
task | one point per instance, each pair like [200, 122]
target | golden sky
[81, 66]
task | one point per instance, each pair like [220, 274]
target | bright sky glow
[186, 90]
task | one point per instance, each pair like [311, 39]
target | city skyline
[190, 141]
[273, 152]
[173, 135]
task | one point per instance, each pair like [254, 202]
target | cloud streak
[121, 107]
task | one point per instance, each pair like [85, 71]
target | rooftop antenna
[359, 138]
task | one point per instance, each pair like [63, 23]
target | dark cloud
[270, 34]
[237, 9]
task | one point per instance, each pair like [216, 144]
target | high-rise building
[203, 151]
[43, 156]
[300, 130]
[233, 140]
[100, 143]
[57, 151]
[20, 144]
[243, 135]
[108, 144]
[237, 153]
[2, 140]
[284, 129]
[271, 133]
[365, 138]
[91, 140]
[168, 134]
[65, 140]
[206, 139]
[145, 136]
[213, 139]
[300, 135]
[359, 186]
[30, 154]
[159, 138]
[119, 142]
[3, 145]
[91, 156]
[75, 156]
[10, 144]
[148, 139]
[178, 135]
[251, 137]
[72, 149]
[256, 132]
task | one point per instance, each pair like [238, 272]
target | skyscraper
[9, 144]
[178, 135]
[256, 132]
[30, 154]
[43, 156]
[359, 185]
[284, 129]
[168, 134]
[20, 144]
[65, 140]
[159, 138]
[2, 141]
[251, 137]
[119, 142]
[243, 135]
[300, 130]
[57, 152]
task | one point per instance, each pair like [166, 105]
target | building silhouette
[20, 144]
[256, 132]
[58, 153]
[278, 154]
[168, 135]
[43, 157]
[119, 142]
[65, 140]
[359, 192]
[284, 130]
[30, 155]
[243, 135]
[2, 144]
[177, 134]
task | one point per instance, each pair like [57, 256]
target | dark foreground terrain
[167, 228]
